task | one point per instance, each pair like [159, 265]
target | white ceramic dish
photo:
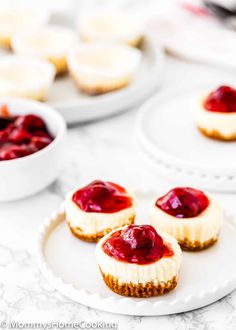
[77, 107]
[167, 134]
[69, 265]
[205, 41]
[27, 175]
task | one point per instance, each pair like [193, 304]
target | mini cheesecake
[215, 114]
[111, 26]
[14, 19]
[50, 42]
[96, 209]
[188, 214]
[138, 261]
[103, 67]
[25, 77]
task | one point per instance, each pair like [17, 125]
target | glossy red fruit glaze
[5, 122]
[19, 135]
[22, 135]
[100, 196]
[14, 151]
[39, 142]
[223, 99]
[30, 122]
[183, 202]
[4, 136]
[138, 244]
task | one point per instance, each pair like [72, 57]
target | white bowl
[25, 176]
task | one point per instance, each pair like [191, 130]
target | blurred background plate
[77, 107]
[167, 134]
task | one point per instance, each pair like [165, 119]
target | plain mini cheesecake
[25, 77]
[103, 67]
[96, 209]
[49, 42]
[111, 26]
[215, 114]
[14, 19]
[190, 215]
[138, 261]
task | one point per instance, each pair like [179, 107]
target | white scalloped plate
[69, 265]
[167, 134]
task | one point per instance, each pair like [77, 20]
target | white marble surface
[105, 150]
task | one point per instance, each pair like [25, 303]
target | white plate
[69, 265]
[206, 40]
[168, 135]
[77, 107]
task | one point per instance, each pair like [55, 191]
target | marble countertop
[106, 150]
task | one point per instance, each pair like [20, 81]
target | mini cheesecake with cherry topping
[216, 114]
[190, 215]
[138, 261]
[96, 209]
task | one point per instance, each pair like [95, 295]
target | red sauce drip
[223, 99]
[22, 135]
[183, 202]
[138, 244]
[100, 196]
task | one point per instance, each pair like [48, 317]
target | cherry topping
[139, 244]
[183, 202]
[39, 142]
[30, 122]
[21, 135]
[4, 122]
[13, 152]
[3, 136]
[101, 196]
[223, 99]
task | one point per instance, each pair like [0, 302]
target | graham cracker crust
[217, 135]
[78, 233]
[60, 65]
[135, 42]
[146, 290]
[97, 90]
[187, 245]
[100, 90]
[5, 42]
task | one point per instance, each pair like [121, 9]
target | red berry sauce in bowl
[32, 140]
[21, 135]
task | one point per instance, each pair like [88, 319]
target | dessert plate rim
[126, 305]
